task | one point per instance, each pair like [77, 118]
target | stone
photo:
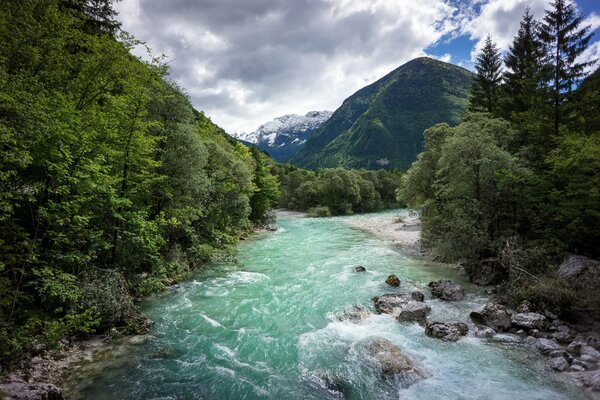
[482, 331]
[530, 340]
[561, 353]
[393, 280]
[590, 379]
[332, 384]
[446, 290]
[580, 272]
[355, 314]
[360, 268]
[562, 337]
[390, 303]
[446, 331]
[393, 362]
[563, 328]
[558, 364]
[414, 311]
[417, 295]
[547, 346]
[530, 320]
[17, 389]
[590, 351]
[576, 368]
[521, 333]
[574, 348]
[494, 315]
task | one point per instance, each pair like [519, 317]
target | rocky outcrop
[580, 271]
[493, 315]
[393, 362]
[390, 303]
[530, 320]
[446, 290]
[17, 389]
[360, 268]
[414, 311]
[446, 331]
[355, 314]
[393, 280]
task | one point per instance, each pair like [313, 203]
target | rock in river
[446, 290]
[355, 314]
[394, 363]
[494, 315]
[393, 280]
[417, 295]
[390, 303]
[447, 331]
[360, 268]
[18, 389]
[547, 346]
[530, 320]
[414, 311]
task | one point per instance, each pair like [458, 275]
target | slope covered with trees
[511, 190]
[381, 125]
[111, 184]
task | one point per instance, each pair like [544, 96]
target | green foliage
[485, 91]
[381, 125]
[337, 191]
[110, 182]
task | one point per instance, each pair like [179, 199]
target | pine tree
[565, 39]
[523, 74]
[485, 90]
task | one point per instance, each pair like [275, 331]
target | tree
[561, 32]
[523, 75]
[486, 86]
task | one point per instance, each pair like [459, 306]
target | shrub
[320, 211]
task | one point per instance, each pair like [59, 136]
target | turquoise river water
[267, 328]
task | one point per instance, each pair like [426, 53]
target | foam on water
[270, 330]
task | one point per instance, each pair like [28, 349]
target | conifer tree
[485, 90]
[561, 32]
[523, 61]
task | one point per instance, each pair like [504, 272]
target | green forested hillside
[111, 184]
[382, 124]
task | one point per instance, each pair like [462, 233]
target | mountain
[285, 136]
[381, 125]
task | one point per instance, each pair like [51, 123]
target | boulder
[390, 303]
[330, 383]
[574, 348]
[589, 379]
[483, 331]
[360, 268]
[417, 295]
[414, 311]
[562, 337]
[547, 346]
[17, 389]
[494, 315]
[530, 320]
[446, 331]
[392, 362]
[580, 272]
[590, 352]
[446, 290]
[393, 280]
[558, 364]
[355, 314]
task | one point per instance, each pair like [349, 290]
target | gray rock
[330, 383]
[562, 328]
[574, 348]
[547, 346]
[558, 364]
[446, 331]
[530, 340]
[562, 337]
[590, 351]
[447, 290]
[17, 389]
[360, 268]
[590, 379]
[494, 315]
[483, 331]
[585, 364]
[561, 353]
[417, 295]
[580, 271]
[390, 303]
[393, 280]
[355, 314]
[414, 311]
[576, 368]
[530, 320]
[393, 362]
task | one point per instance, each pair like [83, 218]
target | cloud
[245, 62]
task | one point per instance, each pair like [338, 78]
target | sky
[245, 62]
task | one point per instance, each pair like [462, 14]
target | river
[267, 328]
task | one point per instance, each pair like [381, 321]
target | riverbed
[268, 327]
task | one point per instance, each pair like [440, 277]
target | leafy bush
[320, 211]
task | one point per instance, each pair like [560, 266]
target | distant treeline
[111, 184]
[517, 184]
[337, 191]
